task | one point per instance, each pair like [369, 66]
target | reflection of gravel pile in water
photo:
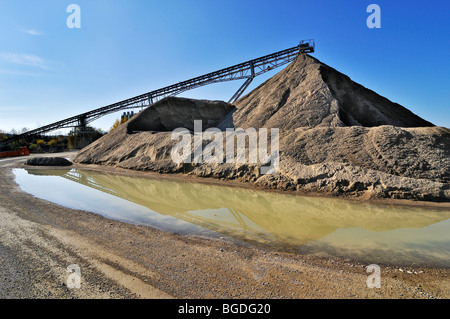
[335, 137]
[337, 227]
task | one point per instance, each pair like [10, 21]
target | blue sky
[128, 47]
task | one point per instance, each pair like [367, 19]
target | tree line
[53, 143]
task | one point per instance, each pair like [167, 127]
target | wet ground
[40, 240]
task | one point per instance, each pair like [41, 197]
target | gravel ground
[39, 240]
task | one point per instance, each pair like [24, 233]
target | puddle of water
[379, 234]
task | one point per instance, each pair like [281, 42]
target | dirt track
[40, 240]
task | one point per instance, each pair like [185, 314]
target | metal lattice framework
[247, 70]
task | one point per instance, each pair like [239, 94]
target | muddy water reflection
[323, 226]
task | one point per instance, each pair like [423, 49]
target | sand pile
[172, 113]
[336, 137]
[309, 93]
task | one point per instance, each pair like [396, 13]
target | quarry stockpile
[335, 137]
[174, 112]
[48, 161]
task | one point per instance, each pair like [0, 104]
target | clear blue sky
[128, 47]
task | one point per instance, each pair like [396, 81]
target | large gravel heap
[336, 137]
